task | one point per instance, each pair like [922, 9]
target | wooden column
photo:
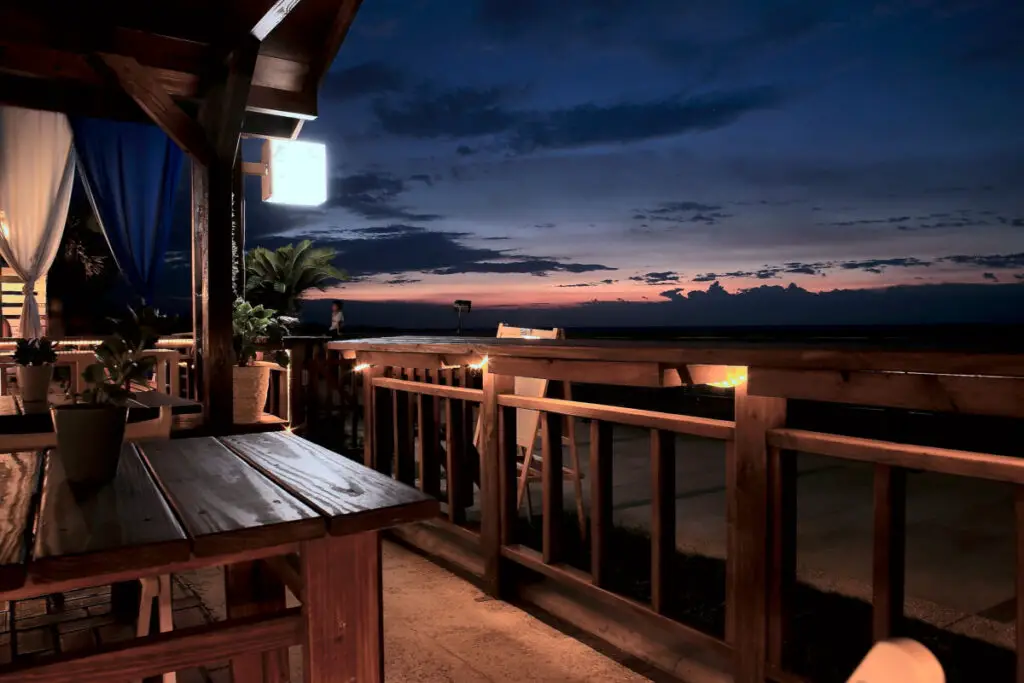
[663, 517]
[298, 359]
[600, 500]
[491, 478]
[238, 224]
[211, 233]
[755, 415]
[368, 418]
[782, 555]
[553, 486]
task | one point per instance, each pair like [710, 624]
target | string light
[478, 366]
[361, 367]
[729, 383]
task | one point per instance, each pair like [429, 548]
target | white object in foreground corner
[899, 661]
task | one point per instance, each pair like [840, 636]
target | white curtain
[36, 173]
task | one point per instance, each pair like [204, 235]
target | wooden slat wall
[11, 298]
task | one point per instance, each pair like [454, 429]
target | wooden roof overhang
[161, 60]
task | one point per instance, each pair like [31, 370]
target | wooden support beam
[158, 105]
[223, 110]
[252, 589]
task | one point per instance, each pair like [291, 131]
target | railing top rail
[820, 355]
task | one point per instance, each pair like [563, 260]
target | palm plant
[278, 278]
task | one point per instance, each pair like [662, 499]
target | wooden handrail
[457, 393]
[931, 459]
[680, 424]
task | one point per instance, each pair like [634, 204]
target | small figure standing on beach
[337, 320]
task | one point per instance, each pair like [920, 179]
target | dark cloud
[403, 250]
[464, 150]
[375, 196]
[762, 274]
[591, 124]
[990, 276]
[879, 265]
[673, 294]
[544, 226]
[368, 78]
[472, 112]
[665, 277]
[401, 281]
[677, 207]
[992, 261]
[592, 284]
[458, 113]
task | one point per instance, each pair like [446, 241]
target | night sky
[639, 162]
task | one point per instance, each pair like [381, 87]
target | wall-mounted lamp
[292, 172]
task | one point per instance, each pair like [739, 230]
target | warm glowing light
[478, 366]
[288, 390]
[529, 336]
[361, 367]
[731, 382]
[450, 367]
[296, 172]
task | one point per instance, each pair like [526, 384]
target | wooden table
[264, 505]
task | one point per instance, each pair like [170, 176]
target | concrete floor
[438, 627]
[960, 532]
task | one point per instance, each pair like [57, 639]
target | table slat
[353, 497]
[127, 524]
[19, 482]
[226, 505]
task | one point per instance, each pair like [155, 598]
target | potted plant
[254, 326]
[35, 359]
[90, 428]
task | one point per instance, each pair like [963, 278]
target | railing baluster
[889, 558]
[405, 466]
[551, 475]
[663, 517]
[600, 499]
[782, 568]
[731, 554]
[454, 445]
[427, 445]
[369, 419]
[383, 430]
[508, 458]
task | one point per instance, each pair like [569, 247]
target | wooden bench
[237, 501]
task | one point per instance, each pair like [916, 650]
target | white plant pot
[34, 382]
[250, 391]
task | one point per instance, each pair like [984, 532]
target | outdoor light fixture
[294, 172]
[462, 306]
[721, 376]
[361, 367]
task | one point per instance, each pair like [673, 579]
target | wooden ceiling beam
[158, 105]
[293, 105]
[257, 125]
[223, 110]
[71, 98]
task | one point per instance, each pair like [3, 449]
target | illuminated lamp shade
[295, 172]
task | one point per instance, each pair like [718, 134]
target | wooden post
[383, 436]
[238, 224]
[405, 455]
[368, 417]
[755, 415]
[490, 479]
[427, 446]
[508, 478]
[888, 563]
[455, 448]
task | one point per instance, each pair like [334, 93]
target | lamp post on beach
[462, 306]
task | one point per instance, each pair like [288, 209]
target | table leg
[252, 588]
[343, 611]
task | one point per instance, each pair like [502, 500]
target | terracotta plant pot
[34, 382]
[89, 441]
[250, 391]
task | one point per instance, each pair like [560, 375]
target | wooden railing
[412, 406]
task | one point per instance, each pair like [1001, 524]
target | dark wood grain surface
[158, 399]
[226, 505]
[19, 483]
[17, 417]
[353, 497]
[124, 525]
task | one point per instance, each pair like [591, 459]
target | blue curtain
[131, 173]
